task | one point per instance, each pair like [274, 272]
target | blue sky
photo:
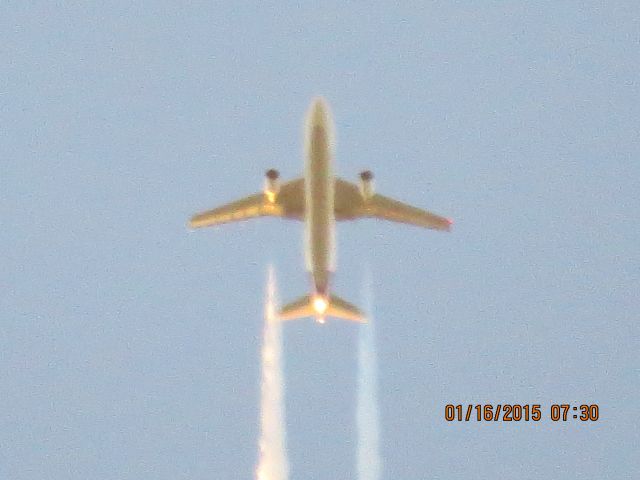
[129, 346]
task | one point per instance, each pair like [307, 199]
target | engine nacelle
[367, 189]
[272, 185]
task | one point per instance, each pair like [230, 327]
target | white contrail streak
[367, 415]
[273, 463]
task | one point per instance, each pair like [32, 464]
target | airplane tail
[321, 307]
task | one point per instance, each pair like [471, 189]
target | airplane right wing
[350, 204]
[289, 203]
[389, 209]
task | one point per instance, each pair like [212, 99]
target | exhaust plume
[367, 414]
[273, 463]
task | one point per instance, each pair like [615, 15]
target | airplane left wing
[350, 204]
[289, 203]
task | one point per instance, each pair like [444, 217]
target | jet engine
[366, 185]
[272, 184]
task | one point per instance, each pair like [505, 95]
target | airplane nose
[319, 124]
[318, 111]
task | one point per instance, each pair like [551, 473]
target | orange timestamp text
[520, 412]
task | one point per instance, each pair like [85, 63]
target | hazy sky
[129, 346]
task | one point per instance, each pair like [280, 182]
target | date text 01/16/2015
[520, 412]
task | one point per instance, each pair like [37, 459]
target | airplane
[320, 199]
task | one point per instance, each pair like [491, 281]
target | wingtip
[195, 224]
[449, 224]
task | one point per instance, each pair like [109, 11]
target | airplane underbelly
[320, 217]
[321, 242]
[320, 227]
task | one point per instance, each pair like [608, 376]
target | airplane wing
[349, 205]
[288, 203]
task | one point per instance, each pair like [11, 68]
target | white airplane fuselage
[319, 184]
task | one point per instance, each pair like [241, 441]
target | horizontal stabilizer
[299, 308]
[319, 307]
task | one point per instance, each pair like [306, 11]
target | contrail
[367, 415]
[273, 463]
